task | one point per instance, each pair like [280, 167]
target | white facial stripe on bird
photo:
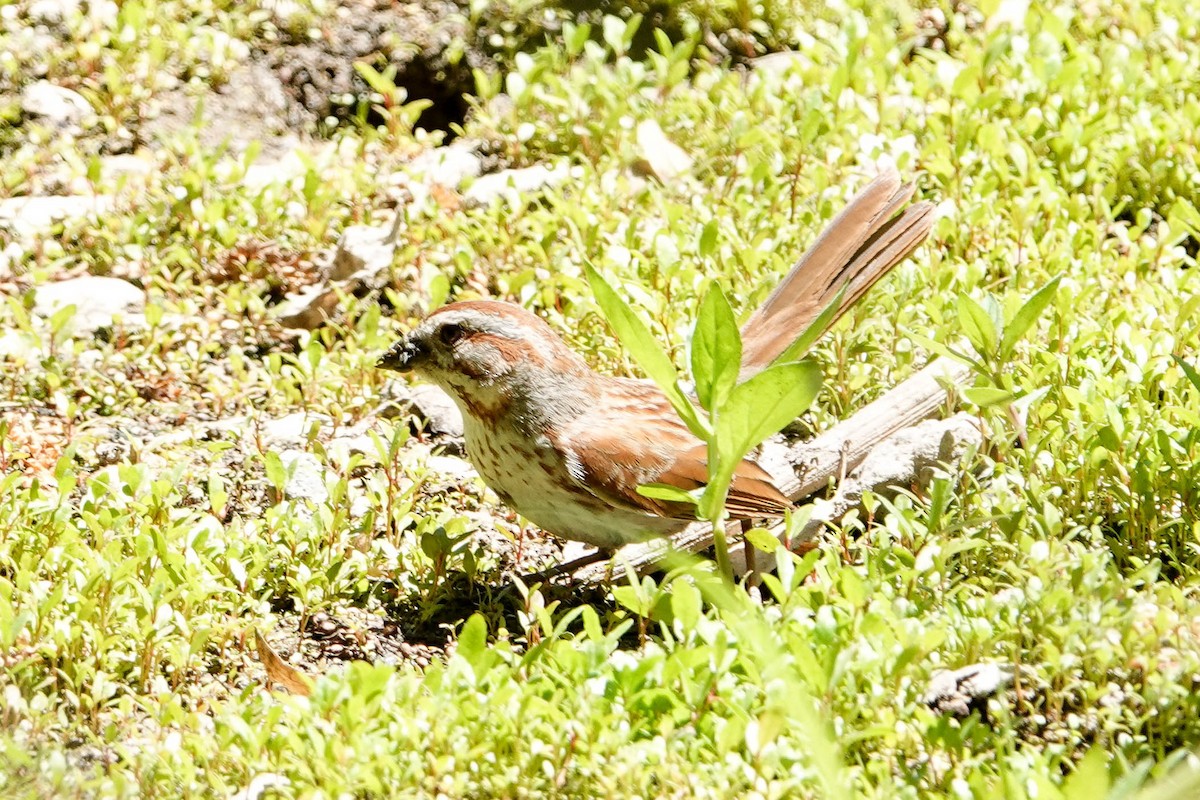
[474, 322]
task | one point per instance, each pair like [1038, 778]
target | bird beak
[402, 356]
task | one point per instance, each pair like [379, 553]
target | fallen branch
[808, 467]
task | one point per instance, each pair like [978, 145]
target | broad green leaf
[665, 491]
[978, 325]
[732, 734]
[984, 396]
[1110, 440]
[273, 465]
[757, 408]
[946, 352]
[631, 599]
[613, 32]
[763, 405]
[708, 239]
[472, 641]
[685, 603]
[966, 84]
[1090, 778]
[1183, 220]
[640, 343]
[716, 349]
[1028, 314]
[762, 539]
[60, 318]
[591, 624]
[814, 330]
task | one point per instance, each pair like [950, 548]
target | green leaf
[1090, 778]
[640, 343]
[732, 734]
[946, 352]
[667, 492]
[381, 82]
[60, 318]
[966, 84]
[1109, 439]
[978, 324]
[1028, 314]
[764, 404]
[685, 603]
[708, 238]
[630, 598]
[716, 349]
[472, 641]
[613, 32]
[276, 474]
[762, 539]
[757, 408]
[1189, 371]
[985, 396]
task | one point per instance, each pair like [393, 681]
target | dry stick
[819, 460]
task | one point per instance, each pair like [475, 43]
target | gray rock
[305, 477]
[9, 256]
[363, 251]
[357, 440]
[54, 105]
[51, 12]
[125, 165]
[360, 506]
[20, 346]
[779, 63]
[451, 469]
[99, 302]
[250, 106]
[291, 431]
[291, 164]
[34, 41]
[27, 216]
[961, 691]
[286, 14]
[307, 309]
[363, 260]
[448, 166]
[431, 407]
[513, 185]
[116, 447]
[658, 156]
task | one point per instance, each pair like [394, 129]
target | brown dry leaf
[32, 443]
[285, 270]
[279, 672]
[447, 199]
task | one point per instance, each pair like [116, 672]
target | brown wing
[633, 437]
[859, 247]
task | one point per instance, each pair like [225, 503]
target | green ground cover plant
[1061, 148]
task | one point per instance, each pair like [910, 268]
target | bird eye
[449, 334]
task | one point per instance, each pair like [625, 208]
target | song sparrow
[568, 448]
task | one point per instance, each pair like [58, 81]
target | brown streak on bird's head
[484, 353]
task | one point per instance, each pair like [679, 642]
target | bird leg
[572, 566]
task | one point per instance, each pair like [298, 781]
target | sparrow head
[476, 343]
